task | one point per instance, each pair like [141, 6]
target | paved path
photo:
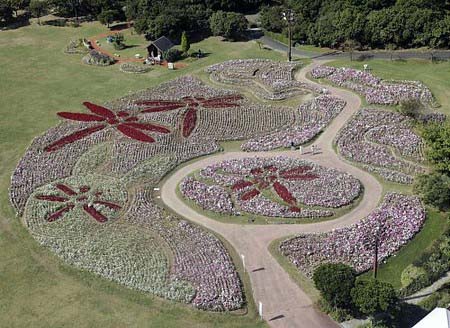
[399, 54]
[427, 291]
[281, 297]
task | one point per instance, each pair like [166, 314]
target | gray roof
[163, 43]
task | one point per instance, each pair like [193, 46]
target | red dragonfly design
[270, 176]
[83, 198]
[123, 121]
[189, 119]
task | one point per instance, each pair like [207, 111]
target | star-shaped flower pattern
[270, 176]
[122, 121]
[83, 198]
[189, 119]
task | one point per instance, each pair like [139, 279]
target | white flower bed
[373, 88]
[378, 139]
[199, 257]
[395, 222]
[312, 118]
[134, 68]
[214, 198]
[266, 79]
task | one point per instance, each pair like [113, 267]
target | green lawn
[435, 75]
[36, 80]
[135, 44]
[433, 228]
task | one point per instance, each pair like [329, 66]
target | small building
[158, 47]
[438, 318]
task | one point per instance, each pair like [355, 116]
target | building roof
[163, 43]
[438, 318]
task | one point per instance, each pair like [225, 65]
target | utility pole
[288, 16]
[375, 259]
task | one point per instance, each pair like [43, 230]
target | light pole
[288, 16]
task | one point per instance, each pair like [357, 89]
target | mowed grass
[434, 75]
[37, 80]
[434, 226]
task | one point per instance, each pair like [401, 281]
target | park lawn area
[435, 225]
[38, 80]
[135, 44]
[434, 75]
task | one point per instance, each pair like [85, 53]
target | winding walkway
[283, 300]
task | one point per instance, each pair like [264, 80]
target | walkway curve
[281, 297]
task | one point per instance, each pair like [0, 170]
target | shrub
[434, 189]
[335, 281]
[118, 41]
[430, 302]
[76, 47]
[373, 296]
[98, 59]
[172, 55]
[185, 44]
[412, 273]
[133, 68]
[437, 137]
[411, 108]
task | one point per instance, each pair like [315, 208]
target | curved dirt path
[283, 300]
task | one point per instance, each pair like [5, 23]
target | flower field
[274, 187]
[84, 187]
[393, 224]
[311, 118]
[384, 142]
[265, 78]
[373, 88]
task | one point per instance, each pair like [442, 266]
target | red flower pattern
[82, 198]
[189, 119]
[123, 121]
[270, 176]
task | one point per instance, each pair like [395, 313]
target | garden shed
[158, 47]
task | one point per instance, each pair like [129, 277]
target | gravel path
[284, 302]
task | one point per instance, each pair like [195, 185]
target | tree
[230, 25]
[437, 137]
[6, 11]
[19, 4]
[119, 41]
[411, 108]
[185, 44]
[373, 296]
[391, 47]
[38, 8]
[106, 17]
[335, 281]
[271, 19]
[434, 189]
[350, 46]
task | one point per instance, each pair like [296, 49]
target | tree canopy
[230, 25]
[437, 137]
[372, 23]
[335, 281]
[373, 296]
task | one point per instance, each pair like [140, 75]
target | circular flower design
[276, 187]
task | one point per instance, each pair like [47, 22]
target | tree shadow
[18, 22]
